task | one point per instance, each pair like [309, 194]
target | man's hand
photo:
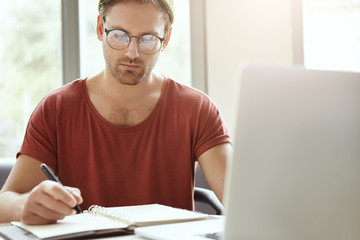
[48, 202]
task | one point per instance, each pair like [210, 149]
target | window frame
[297, 32]
[70, 40]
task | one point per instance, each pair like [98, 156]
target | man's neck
[124, 105]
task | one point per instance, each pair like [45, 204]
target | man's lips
[130, 67]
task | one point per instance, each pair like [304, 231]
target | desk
[185, 230]
[131, 237]
[10, 232]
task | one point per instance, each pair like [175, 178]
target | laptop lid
[296, 166]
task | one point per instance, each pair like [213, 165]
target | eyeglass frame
[107, 31]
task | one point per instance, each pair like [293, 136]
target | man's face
[130, 66]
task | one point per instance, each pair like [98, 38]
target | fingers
[49, 202]
[35, 213]
[76, 194]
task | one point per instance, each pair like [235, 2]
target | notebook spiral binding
[113, 215]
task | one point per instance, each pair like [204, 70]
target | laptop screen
[295, 172]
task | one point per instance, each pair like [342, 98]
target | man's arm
[29, 197]
[213, 165]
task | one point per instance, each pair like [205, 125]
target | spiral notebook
[100, 221]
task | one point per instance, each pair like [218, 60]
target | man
[123, 137]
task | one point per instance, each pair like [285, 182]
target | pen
[52, 177]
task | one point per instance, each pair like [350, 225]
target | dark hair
[104, 6]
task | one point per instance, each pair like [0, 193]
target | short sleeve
[40, 136]
[211, 130]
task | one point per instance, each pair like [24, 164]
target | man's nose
[132, 50]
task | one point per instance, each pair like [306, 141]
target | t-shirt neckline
[140, 125]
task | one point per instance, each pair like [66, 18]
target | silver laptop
[295, 173]
[210, 229]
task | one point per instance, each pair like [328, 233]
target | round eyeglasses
[148, 43]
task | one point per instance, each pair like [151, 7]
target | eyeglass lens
[148, 44]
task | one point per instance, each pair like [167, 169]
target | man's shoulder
[182, 91]
[67, 95]
[69, 91]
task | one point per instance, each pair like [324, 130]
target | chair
[5, 168]
[208, 197]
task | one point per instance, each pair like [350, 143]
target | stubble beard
[128, 77]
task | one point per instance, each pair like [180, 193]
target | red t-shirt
[151, 162]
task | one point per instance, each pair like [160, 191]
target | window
[31, 53]
[30, 64]
[175, 61]
[332, 34]
[91, 56]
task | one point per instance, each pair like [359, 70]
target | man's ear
[167, 38]
[100, 27]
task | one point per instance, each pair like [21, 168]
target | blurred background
[209, 40]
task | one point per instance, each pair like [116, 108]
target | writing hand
[48, 202]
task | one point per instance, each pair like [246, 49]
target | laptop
[295, 172]
[296, 166]
[210, 229]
